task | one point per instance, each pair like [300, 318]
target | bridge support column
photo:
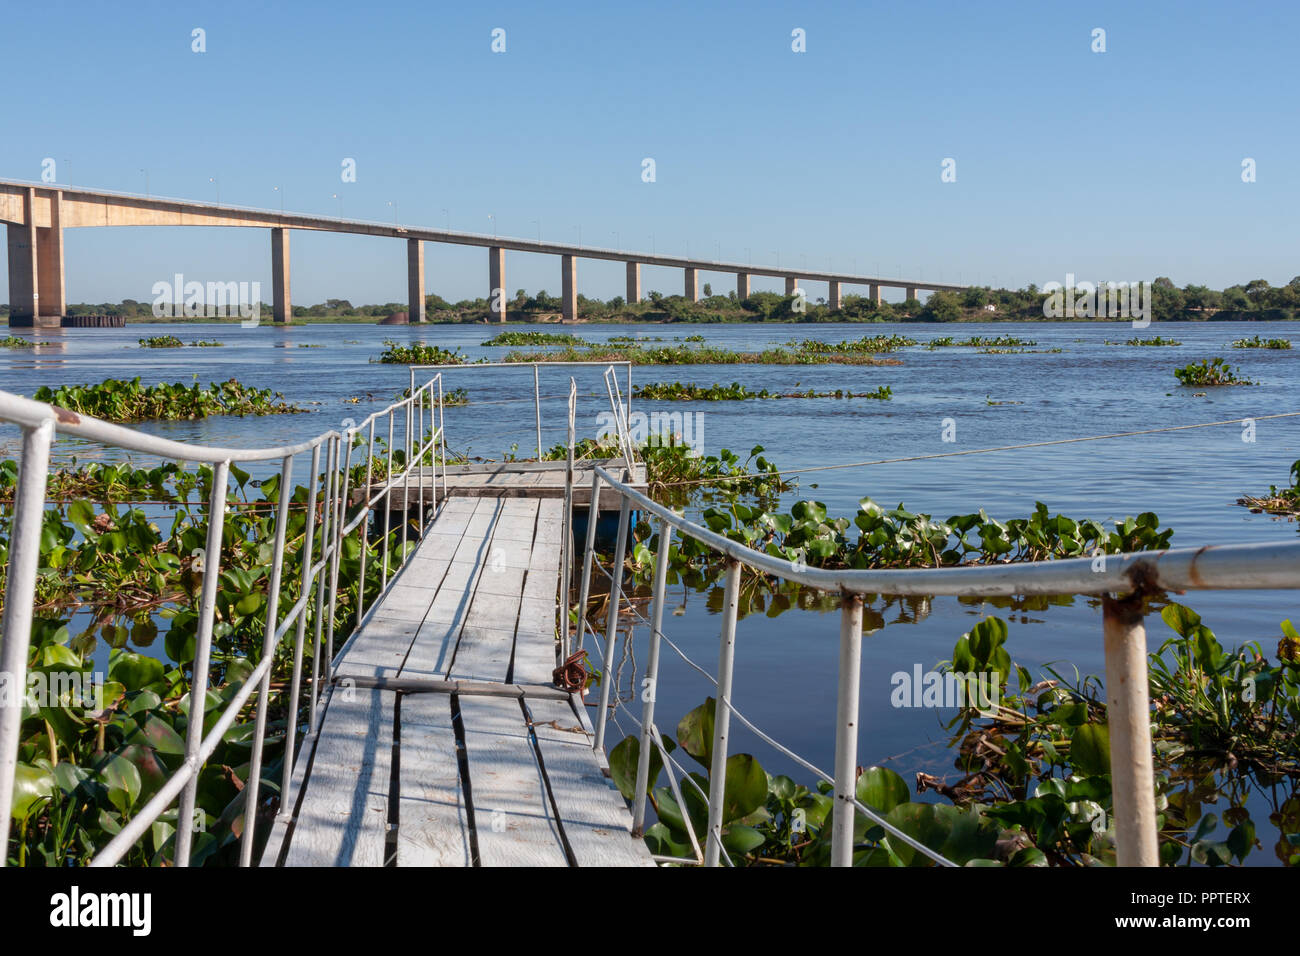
[873, 293]
[911, 292]
[24, 301]
[633, 283]
[569, 287]
[692, 291]
[415, 280]
[281, 307]
[742, 285]
[833, 297]
[791, 283]
[497, 282]
[49, 263]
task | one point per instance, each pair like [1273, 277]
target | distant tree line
[1256, 299]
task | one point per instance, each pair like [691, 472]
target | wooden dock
[519, 479]
[443, 741]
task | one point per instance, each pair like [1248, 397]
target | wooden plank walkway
[525, 479]
[403, 772]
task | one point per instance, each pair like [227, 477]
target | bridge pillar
[24, 300]
[833, 298]
[742, 285]
[415, 280]
[281, 307]
[633, 283]
[692, 291]
[791, 283]
[569, 287]
[911, 292]
[49, 262]
[497, 282]
[873, 292]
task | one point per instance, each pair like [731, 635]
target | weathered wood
[380, 649]
[593, 814]
[432, 818]
[513, 481]
[512, 814]
[343, 820]
[476, 603]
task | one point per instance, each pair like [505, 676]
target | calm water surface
[785, 666]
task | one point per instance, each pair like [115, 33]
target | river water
[786, 665]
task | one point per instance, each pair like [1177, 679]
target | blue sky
[1122, 165]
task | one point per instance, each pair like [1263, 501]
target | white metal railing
[420, 439]
[1266, 566]
[621, 409]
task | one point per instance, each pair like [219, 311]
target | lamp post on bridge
[494, 225]
[146, 183]
[336, 196]
[394, 205]
[217, 183]
[281, 192]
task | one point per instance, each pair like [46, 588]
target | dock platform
[443, 741]
[530, 479]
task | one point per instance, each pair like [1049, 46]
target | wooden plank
[343, 820]
[593, 815]
[535, 656]
[404, 604]
[483, 653]
[433, 652]
[432, 818]
[512, 816]
[379, 650]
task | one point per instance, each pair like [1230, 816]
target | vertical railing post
[406, 480]
[327, 545]
[363, 529]
[611, 622]
[253, 784]
[20, 596]
[722, 714]
[846, 729]
[419, 471]
[1128, 714]
[593, 512]
[300, 632]
[651, 687]
[537, 408]
[202, 658]
[388, 506]
[340, 522]
[566, 542]
[442, 442]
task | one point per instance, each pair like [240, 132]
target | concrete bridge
[37, 214]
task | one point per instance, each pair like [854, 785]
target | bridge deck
[403, 772]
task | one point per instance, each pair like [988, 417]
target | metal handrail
[320, 569]
[624, 410]
[1257, 566]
